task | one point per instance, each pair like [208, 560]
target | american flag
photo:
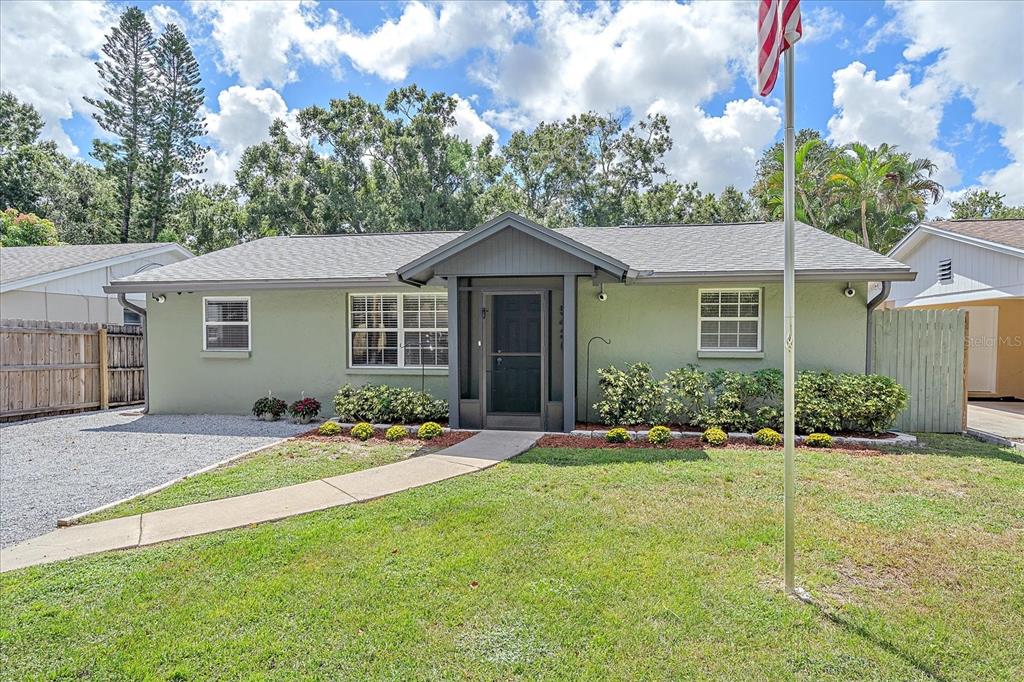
[775, 35]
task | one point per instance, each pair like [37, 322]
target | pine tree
[127, 74]
[175, 155]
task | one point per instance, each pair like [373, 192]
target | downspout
[125, 303]
[872, 304]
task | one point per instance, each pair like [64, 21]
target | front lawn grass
[571, 564]
[295, 461]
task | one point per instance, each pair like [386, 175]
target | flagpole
[789, 324]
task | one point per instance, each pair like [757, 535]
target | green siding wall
[657, 324]
[299, 343]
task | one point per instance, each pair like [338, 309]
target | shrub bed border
[904, 439]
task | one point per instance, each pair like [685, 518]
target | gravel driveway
[52, 468]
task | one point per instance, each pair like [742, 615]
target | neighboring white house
[977, 266]
[65, 283]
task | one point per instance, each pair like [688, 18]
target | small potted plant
[269, 408]
[304, 410]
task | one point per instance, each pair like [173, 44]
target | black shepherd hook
[587, 394]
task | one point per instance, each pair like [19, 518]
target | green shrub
[819, 402]
[617, 435]
[329, 429]
[429, 430]
[686, 392]
[362, 431]
[715, 437]
[748, 401]
[380, 404]
[629, 397]
[659, 435]
[871, 402]
[769, 437]
[818, 440]
[396, 433]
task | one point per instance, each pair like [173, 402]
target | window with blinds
[398, 330]
[730, 319]
[226, 323]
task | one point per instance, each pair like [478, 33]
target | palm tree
[807, 197]
[890, 186]
[859, 175]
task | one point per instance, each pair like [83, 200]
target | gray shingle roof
[751, 249]
[1008, 232]
[20, 262]
[733, 248]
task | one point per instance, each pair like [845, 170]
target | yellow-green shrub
[769, 437]
[715, 437]
[396, 433]
[362, 431]
[329, 429]
[818, 440]
[659, 435]
[429, 430]
[617, 435]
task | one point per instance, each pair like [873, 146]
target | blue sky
[912, 74]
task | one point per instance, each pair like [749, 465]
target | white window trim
[400, 330]
[248, 323]
[759, 318]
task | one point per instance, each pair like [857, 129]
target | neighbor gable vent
[946, 270]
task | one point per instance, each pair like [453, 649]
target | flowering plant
[275, 407]
[307, 408]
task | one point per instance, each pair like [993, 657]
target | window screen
[730, 319]
[225, 324]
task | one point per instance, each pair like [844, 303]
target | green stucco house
[498, 319]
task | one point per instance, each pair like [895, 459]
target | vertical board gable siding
[511, 252]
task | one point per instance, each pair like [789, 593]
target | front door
[514, 360]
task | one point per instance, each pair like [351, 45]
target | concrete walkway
[1000, 418]
[482, 450]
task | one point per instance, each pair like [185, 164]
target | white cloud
[668, 58]
[263, 42]
[979, 54]
[161, 15]
[468, 124]
[431, 34]
[47, 55]
[821, 23]
[244, 118]
[891, 110]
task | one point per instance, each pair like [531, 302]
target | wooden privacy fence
[926, 352]
[55, 367]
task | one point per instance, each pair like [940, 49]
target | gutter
[872, 304]
[125, 303]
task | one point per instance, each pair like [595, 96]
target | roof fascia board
[505, 220]
[876, 275]
[957, 237]
[240, 285]
[94, 265]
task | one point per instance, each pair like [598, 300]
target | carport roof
[738, 251]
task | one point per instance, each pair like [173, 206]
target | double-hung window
[730, 320]
[398, 330]
[226, 323]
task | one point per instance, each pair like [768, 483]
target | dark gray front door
[515, 361]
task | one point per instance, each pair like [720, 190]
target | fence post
[104, 370]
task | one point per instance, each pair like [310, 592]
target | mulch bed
[586, 442]
[590, 426]
[443, 441]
